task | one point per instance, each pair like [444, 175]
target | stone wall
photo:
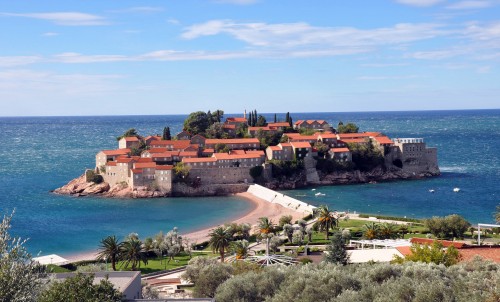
[181, 189]
[233, 175]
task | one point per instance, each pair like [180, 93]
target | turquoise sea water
[42, 153]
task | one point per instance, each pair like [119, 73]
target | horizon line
[264, 113]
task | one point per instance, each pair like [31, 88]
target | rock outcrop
[79, 187]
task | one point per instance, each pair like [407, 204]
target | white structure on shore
[281, 199]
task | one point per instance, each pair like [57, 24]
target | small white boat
[313, 189]
[431, 191]
[319, 194]
[456, 190]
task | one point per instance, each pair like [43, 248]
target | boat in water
[431, 191]
[319, 194]
[456, 190]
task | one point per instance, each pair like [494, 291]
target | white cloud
[147, 9]
[420, 3]
[18, 60]
[237, 2]
[50, 34]
[140, 9]
[72, 57]
[483, 69]
[470, 4]
[173, 21]
[64, 18]
[382, 78]
[284, 35]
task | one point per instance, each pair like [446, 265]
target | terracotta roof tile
[232, 141]
[300, 145]
[164, 167]
[145, 165]
[445, 243]
[116, 152]
[136, 171]
[199, 159]
[338, 150]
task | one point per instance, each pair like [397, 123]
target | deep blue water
[41, 153]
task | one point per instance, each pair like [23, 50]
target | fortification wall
[180, 189]
[232, 175]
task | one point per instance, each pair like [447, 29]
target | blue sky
[172, 57]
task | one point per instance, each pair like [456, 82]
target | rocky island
[215, 157]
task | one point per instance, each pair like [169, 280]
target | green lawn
[155, 265]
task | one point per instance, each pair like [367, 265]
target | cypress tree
[167, 134]
[287, 118]
[164, 136]
[275, 119]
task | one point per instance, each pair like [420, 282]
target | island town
[222, 156]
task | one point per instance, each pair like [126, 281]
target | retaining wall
[281, 199]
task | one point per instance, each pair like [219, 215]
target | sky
[132, 57]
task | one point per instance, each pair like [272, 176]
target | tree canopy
[348, 128]
[197, 122]
[80, 288]
[20, 276]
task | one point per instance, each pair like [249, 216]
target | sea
[40, 154]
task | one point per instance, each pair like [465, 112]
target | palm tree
[326, 220]
[133, 252]
[220, 238]
[240, 248]
[110, 249]
[370, 230]
[388, 231]
[265, 226]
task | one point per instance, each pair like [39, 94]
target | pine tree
[337, 252]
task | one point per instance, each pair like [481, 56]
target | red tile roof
[266, 128]
[300, 145]
[228, 126]
[338, 150]
[156, 150]
[124, 160]
[328, 135]
[489, 253]
[173, 144]
[131, 139]
[232, 141]
[352, 140]
[145, 160]
[383, 140]
[404, 250]
[116, 152]
[164, 154]
[111, 163]
[275, 148]
[189, 153]
[164, 167]
[445, 243]
[285, 144]
[144, 165]
[258, 152]
[208, 150]
[279, 124]
[220, 156]
[136, 171]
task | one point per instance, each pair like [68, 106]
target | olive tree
[20, 276]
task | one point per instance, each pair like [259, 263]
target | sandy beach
[261, 208]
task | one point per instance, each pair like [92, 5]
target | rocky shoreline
[78, 187]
